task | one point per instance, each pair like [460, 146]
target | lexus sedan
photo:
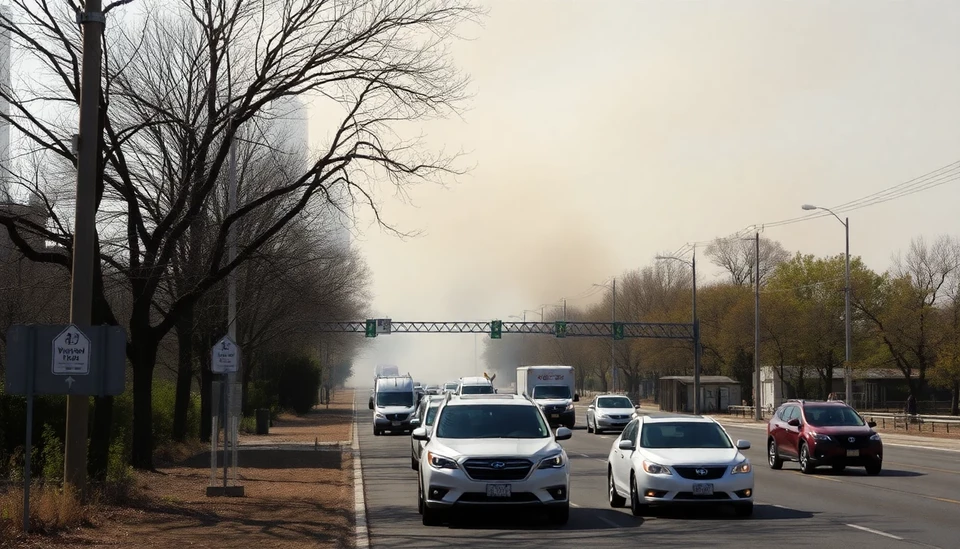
[671, 460]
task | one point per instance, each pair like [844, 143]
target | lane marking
[923, 467]
[585, 455]
[828, 478]
[872, 531]
[600, 460]
[945, 500]
[609, 522]
[362, 533]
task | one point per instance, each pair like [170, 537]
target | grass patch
[52, 509]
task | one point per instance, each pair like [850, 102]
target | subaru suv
[492, 451]
[816, 433]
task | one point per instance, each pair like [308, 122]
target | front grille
[618, 417]
[556, 409]
[480, 497]
[397, 417]
[859, 441]
[695, 472]
[689, 495]
[497, 469]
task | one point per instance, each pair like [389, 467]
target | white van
[393, 403]
[475, 386]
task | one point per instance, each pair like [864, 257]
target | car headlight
[378, 415]
[569, 407]
[602, 416]
[875, 436]
[555, 461]
[742, 467]
[440, 462]
[655, 469]
[824, 438]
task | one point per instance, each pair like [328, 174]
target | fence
[921, 423]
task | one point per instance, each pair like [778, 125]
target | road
[914, 502]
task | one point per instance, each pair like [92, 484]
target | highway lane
[910, 501]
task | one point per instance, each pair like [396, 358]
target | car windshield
[491, 421]
[614, 402]
[451, 386]
[476, 390]
[551, 391]
[832, 416]
[432, 414]
[684, 434]
[395, 399]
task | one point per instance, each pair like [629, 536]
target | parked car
[609, 412]
[492, 451]
[816, 433]
[668, 460]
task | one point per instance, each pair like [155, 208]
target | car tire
[420, 504]
[431, 517]
[376, 432]
[873, 469]
[559, 515]
[616, 500]
[806, 464]
[589, 428]
[743, 509]
[638, 509]
[838, 468]
[773, 455]
[414, 464]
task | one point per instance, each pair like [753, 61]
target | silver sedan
[609, 412]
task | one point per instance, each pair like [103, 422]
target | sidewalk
[893, 439]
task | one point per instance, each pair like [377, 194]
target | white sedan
[609, 412]
[671, 460]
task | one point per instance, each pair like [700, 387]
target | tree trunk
[955, 401]
[184, 374]
[144, 359]
[100, 438]
[206, 386]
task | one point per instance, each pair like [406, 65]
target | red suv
[818, 433]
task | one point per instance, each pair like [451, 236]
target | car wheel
[838, 468]
[414, 464]
[431, 517]
[873, 469]
[376, 432]
[420, 505]
[616, 500]
[589, 428]
[559, 515]
[638, 509]
[743, 509]
[773, 455]
[806, 464]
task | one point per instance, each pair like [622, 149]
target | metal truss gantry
[494, 328]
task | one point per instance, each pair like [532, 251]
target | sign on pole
[71, 353]
[383, 326]
[371, 328]
[225, 356]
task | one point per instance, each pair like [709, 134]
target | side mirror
[871, 424]
[795, 422]
[576, 398]
[626, 445]
[743, 445]
[415, 421]
[564, 434]
[591, 407]
[420, 434]
[371, 403]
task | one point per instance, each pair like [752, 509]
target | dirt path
[297, 495]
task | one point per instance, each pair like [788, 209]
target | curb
[359, 504]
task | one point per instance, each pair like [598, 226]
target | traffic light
[496, 329]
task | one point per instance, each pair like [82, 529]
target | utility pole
[564, 310]
[757, 398]
[696, 339]
[613, 342]
[92, 20]
[848, 372]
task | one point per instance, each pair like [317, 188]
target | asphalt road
[914, 502]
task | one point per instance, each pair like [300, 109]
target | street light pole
[848, 367]
[613, 342]
[757, 398]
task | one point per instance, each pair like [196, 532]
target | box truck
[552, 387]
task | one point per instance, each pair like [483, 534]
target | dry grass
[52, 510]
[295, 497]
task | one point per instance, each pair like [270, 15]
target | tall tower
[5, 16]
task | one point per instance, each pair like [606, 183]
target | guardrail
[740, 411]
[905, 421]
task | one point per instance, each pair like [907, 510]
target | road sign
[560, 328]
[384, 326]
[496, 329]
[618, 330]
[225, 356]
[64, 360]
[70, 354]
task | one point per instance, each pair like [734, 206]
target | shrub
[299, 383]
[51, 449]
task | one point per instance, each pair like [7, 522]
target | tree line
[181, 84]
[905, 319]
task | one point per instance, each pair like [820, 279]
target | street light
[613, 342]
[848, 367]
[696, 327]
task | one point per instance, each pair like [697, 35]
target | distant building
[716, 393]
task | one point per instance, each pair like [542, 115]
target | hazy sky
[602, 133]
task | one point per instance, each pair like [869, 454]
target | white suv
[492, 450]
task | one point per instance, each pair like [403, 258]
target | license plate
[554, 416]
[853, 453]
[703, 489]
[395, 423]
[498, 491]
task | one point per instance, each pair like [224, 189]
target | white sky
[603, 133]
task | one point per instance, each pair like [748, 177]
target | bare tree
[738, 257]
[195, 74]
